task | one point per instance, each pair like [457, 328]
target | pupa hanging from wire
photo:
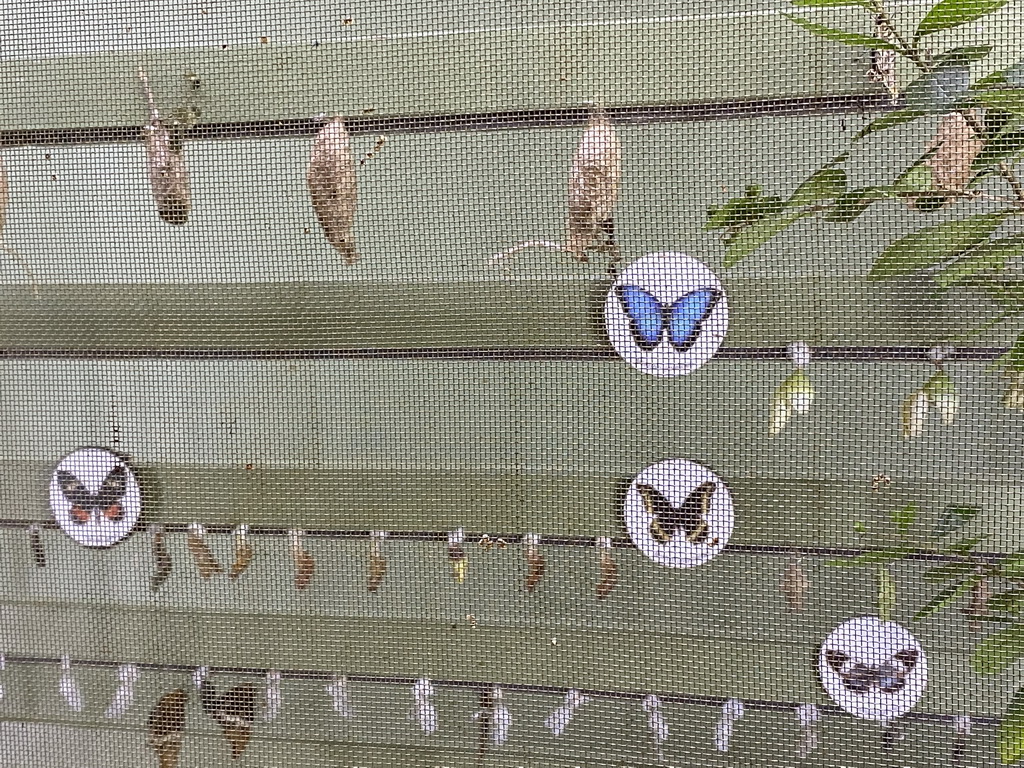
[732, 711]
[457, 555]
[656, 723]
[162, 563]
[243, 552]
[206, 563]
[234, 711]
[35, 543]
[534, 561]
[794, 585]
[808, 716]
[795, 394]
[341, 703]
[494, 720]
[166, 726]
[69, 687]
[378, 565]
[331, 179]
[274, 698]
[961, 732]
[559, 720]
[165, 164]
[305, 565]
[609, 570]
[127, 674]
[594, 181]
[423, 709]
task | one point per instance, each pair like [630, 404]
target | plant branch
[1007, 172]
[885, 21]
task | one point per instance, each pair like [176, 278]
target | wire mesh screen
[512, 384]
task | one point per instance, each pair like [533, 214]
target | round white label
[679, 513]
[95, 497]
[873, 669]
[666, 314]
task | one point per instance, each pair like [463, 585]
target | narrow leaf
[753, 237]
[871, 558]
[953, 518]
[932, 245]
[886, 594]
[1013, 566]
[998, 148]
[964, 547]
[838, 35]
[949, 571]
[822, 185]
[992, 255]
[944, 598]
[952, 13]
[897, 117]
[939, 90]
[904, 518]
[998, 651]
[851, 205]
[1006, 602]
[1004, 99]
[965, 55]
[1011, 730]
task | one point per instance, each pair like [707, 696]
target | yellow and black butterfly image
[690, 517]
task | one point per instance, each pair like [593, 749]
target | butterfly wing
[82, 499]
[645, 313]
[235, 712]
[111, 492]
[688, 314]
[694, 513]
[664, 523]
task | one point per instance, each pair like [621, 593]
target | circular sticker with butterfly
[873, 669]
[666, 314]
[95, 497]
[679, 513]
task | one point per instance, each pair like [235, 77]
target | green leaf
[1013, 566]
[830, 3]
[915, 180]
[851, 205]
[999, 650]
[822, 185]
[1006, 602]
[873, 557]
[939, 90]
[935, 244]
[1010, 735]
[748, 240]
[992, 255]
[859, 526]
[740, 211]
[1012, 359]
[944, 598]
[998, 148]
[965, 55]
[965, 546]
[1003, 99]
[904, 518]
[952, 13]
[886, 594]
[1015, 75]
[949, 571]
[847, 38]
[953, 518]
[896, 117]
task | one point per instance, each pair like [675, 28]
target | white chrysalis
[69, 687]
[127, 674]
[808, 715]
[337, 689]
[501, 718]
[199, 676]
[273, 695]
[732, 711]
[655, 719]
[558, 720]
[424, 710]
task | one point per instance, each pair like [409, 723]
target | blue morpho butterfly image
[650, 320]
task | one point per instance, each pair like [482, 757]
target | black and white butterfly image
[690, 517]
[103, 504]
[888, 677]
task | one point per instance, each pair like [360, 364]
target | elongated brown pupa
[457, 555]
[955, 146]
[594, 188]
[243, 552]
[201, 552]
[165, 164]
[304, 563]
[378, 565]
[609, 569]
[331, 179]
[794, 585]
[162, 562]
[166, 726]
[35, 543]
[534, 561]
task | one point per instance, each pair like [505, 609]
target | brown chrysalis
[378, 565]
[162, 563]
[201, 552]
[166, 726]
[534, 561]
[457, 555]
[609, 570]
[243, 552]
[304, 563]
[35, 543]
[331, 179]
[165, 164]
[794, 585]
